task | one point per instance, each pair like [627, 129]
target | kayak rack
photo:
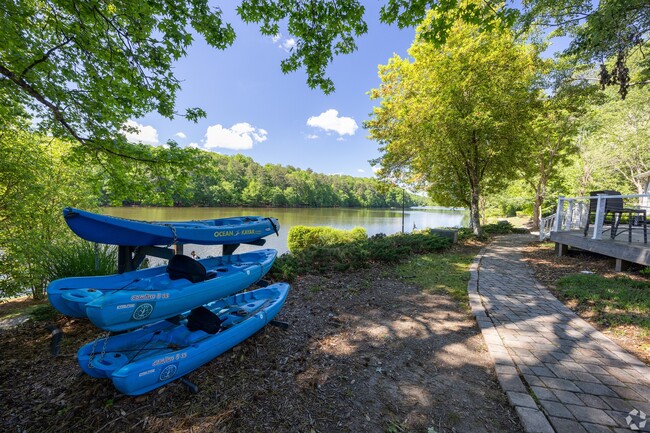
[129, 258]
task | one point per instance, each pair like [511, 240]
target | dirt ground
[548, 268]
[364, 352]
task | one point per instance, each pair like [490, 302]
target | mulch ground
[365, 352]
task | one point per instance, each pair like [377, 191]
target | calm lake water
[375, 221]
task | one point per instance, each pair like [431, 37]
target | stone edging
[532, 418]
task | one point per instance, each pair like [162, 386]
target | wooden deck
[619, 249]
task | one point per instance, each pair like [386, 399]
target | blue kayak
[119, 231]
[149, 357]
[132, 299]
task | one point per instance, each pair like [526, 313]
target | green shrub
[301, 237]
[355, 254]
[645, 271]
[465, 233]
[500, 228]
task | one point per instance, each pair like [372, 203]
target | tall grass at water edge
[80, 259]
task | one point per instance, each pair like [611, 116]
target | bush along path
[559, 373]
[319, 252]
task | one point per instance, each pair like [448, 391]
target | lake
[375, 221]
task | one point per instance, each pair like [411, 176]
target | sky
[256, 110]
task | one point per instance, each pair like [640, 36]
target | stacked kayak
[124, 301]
[106, 229]
[156, 354]
[172, 318]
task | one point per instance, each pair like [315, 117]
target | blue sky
[251, 103]
[256, 110]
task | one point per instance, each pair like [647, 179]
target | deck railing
[572, 213]
[545, 226]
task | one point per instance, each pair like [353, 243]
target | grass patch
[43, 313]
[441, 273]
[23, 306]
[615, 301]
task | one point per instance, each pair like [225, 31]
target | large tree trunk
[475, 213]
[539, 200]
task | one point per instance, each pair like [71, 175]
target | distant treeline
[221, 180]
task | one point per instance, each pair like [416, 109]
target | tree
[454, 119]
[554, 131]
[38, 178]
[600, 30]
[614, 141]
[616, 144]
[83, 68]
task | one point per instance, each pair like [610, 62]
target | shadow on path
[560, 373]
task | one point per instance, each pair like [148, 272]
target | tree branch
[47, 54]
[59, 117]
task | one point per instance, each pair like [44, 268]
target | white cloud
[340, 139]
[330, 121]
[145, 134]
[288, 44]
[361, 170]
[180, 135]
[311, 137]
[193, 144]
[239, 137]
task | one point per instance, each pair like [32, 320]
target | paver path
[580, 380]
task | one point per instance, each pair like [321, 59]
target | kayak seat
[210, 275]
[181, 266]
[202, 319]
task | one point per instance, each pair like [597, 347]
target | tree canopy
[454, 119]
[79, 70]
[607, 29]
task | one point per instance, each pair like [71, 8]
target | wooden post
[124, 263]
[621, 265]
[402, 210]
[561, 249]
[229, 249]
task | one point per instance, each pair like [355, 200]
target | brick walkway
[559, 373]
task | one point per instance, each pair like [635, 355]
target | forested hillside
[211, 179]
